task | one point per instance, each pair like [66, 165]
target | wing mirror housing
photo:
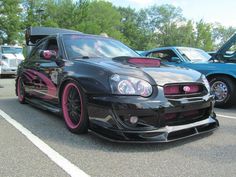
[48, 54]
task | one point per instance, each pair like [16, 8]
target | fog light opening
[133, 119]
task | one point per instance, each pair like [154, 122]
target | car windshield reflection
[78, 46]
[194, 55]
[12, 50]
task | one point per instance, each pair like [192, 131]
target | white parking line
[61, 161]
[228, 117]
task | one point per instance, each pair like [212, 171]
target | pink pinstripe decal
[29, 78]
[51, 88]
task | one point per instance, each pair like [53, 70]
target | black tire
[226, 91]
[74, 108]
[20, 91]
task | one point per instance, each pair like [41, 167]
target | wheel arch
[211, 76]
[63, 84]
[229, 100]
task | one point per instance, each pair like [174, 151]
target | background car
[221, 75]
[10, 57]
[100, 84]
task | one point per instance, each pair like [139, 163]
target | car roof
[35, 34]
[37, 31]
[87, 35]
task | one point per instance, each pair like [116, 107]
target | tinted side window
[52, 45]
[164, 55]
[35, 52]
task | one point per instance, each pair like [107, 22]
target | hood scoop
[138, 61]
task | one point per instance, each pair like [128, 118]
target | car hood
[9, 56]
[13, 56]
[227, 44]
[154, 75]
[20, 56]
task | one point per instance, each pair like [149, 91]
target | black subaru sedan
[99, 84]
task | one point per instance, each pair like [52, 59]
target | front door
[41, 75]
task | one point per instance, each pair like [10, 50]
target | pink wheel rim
[67, 106]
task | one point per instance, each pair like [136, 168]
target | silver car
[10, 57]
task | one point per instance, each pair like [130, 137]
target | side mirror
[48, 54]
[175, 59]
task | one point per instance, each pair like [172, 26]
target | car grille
[12, 62]
[186, 117]
[184, 90]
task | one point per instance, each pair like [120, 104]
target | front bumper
[109, 118]
[165, 134]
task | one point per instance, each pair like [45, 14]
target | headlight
[124, 85]
[206, 83]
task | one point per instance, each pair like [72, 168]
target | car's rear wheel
[20, 91]
[74, 107]
[224, 90]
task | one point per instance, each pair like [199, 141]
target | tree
[10, 20]
[221, 34]
[136, 36]
[147, 28]
[101, 17]
[185, 35]
[204, 36]
[164, 22]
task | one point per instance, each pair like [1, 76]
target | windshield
[78, 46]
[195, 55]
[12, 50]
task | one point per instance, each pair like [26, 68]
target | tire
[74, 108]
[20, 91]
[224, 90]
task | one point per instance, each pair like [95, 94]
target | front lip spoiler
[162, 134]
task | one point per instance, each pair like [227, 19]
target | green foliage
[147, 28]
[102, 17]
[9, 21]
[221, 34]
[203, 36]
[167, 24]
[136, 36]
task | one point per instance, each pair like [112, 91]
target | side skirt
[44, 105]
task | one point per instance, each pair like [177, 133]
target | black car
[100, 84]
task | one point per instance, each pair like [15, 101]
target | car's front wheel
[224, 90]
[74, 107]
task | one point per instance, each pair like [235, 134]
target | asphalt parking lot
[22, 150]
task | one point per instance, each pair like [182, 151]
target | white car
[10, 58]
